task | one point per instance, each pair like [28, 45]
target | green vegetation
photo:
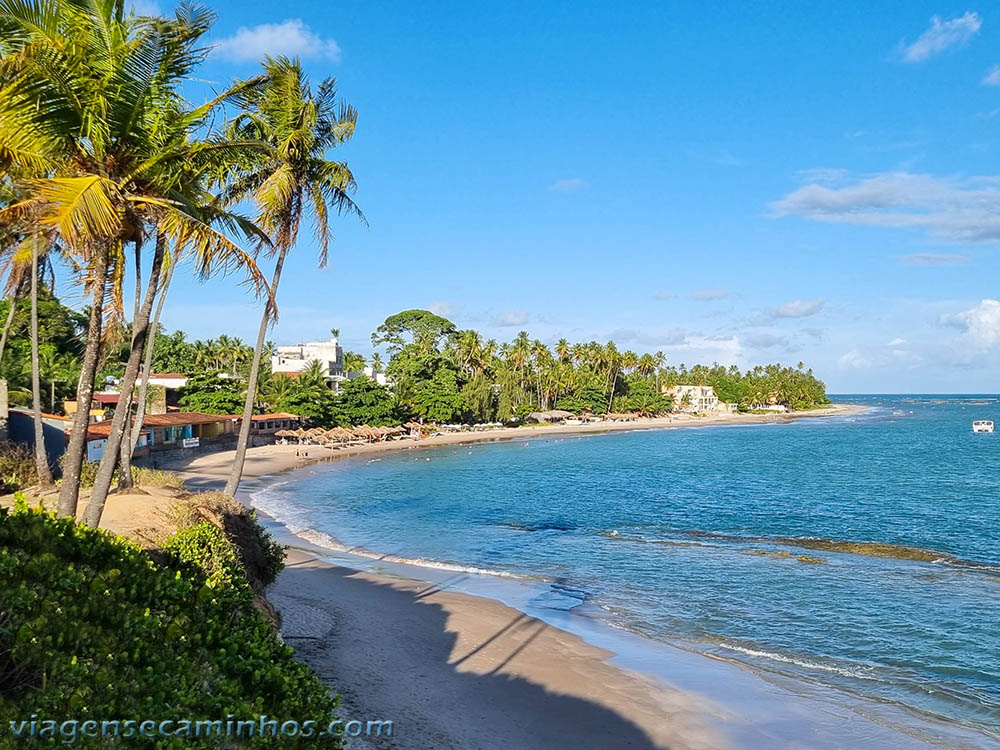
[17, 467]
[213, 393]
[91, 628]
[444, 374]
[60, 344]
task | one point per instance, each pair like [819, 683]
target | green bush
[17, 467]
[92, 628]
[260, 556]
[204, 548]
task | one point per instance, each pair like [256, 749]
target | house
[369, 372]
[292, 360]
[186, 429]
[268, 424]
[107, 402]
[694, 398]
[97, 440]
[168, 392]
[55, 431]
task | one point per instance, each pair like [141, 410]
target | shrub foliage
[92, 628]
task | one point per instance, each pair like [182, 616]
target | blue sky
[724, 181]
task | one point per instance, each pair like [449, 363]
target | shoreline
[453, 655]
[209, 471]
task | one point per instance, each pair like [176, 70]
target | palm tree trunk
[147, 364]
[41, 458]
[8, 324]
[124, 452]
[69, 492]
[119, 425]
[236, 474]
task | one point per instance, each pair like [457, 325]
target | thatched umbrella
[285, 433]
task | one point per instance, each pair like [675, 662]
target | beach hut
[555, 415]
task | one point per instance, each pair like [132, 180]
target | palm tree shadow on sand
[380, 675]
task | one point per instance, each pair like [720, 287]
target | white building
[172, 381]
[292, 360]
[379, 377]
[694, 398]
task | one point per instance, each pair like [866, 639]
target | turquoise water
[733, 538]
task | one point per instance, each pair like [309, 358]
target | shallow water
[860, 553]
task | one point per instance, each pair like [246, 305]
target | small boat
[982, 425]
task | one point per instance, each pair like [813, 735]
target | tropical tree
[293, 178]
[98, 138]
[353, 362]
[41, 459]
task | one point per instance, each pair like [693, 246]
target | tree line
[441, 374]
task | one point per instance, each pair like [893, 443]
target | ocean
[857, 553]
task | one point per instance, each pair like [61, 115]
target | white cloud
[663, 295]
[823, 175]
[709, 295]
[797, 309]
[763, 339]
[444, 308]
[510, 318]
[941, 36]
[291, 38]
[675, 337]
[896, 342]
[724, 349]
[992, 78]
[965, 210]
[569, 185]
[935, 259]
[854, 360]
[980, 324]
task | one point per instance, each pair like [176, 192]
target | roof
[109, 397]
[276, 415]
[183, 417]
[101, 430]
[29, 413]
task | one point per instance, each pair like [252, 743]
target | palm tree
[276, 388]
[98, 137]
[41, 459]
[300, 126]
[563, 350]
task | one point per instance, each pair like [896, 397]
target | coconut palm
[97, 136]
[42, 467]
[301, 126]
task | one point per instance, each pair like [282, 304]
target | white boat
[982, 425]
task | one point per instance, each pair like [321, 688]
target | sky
[734, 182]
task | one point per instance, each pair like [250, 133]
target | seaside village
[170, 434]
